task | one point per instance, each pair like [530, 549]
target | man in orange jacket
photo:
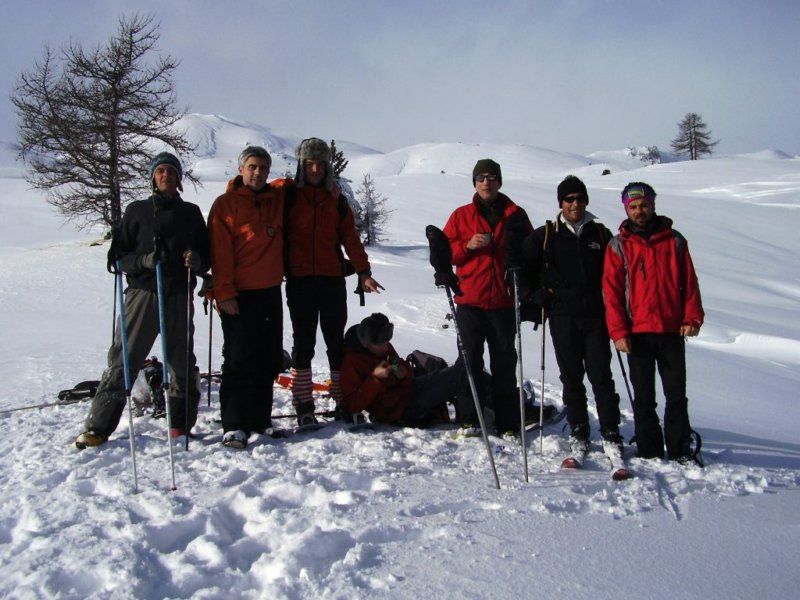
[319, 224]
[245, 227]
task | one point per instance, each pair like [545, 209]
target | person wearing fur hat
[653, 303]
[375, 379]
[563, 264]
[246, 229]
[485, 313]
[166, 229]
[319, 223]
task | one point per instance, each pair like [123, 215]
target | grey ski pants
[141, 315]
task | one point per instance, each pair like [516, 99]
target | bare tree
[374, 213]
[693, 140]
[339, 161]
[88, 121]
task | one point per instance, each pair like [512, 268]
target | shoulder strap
[601, 233]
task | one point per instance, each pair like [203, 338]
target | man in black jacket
[563, 261]
[162, 228]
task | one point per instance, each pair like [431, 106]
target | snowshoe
[90, 439]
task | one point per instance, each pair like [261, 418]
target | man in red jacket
[485, 312]
[652, 302]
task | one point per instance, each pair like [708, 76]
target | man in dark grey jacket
[167, 229]
[564, 263]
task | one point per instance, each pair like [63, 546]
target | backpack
[424, 363]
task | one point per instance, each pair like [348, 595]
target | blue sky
[574, 76]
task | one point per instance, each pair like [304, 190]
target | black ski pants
[252, 357]
[317, 300]
[497, 329]
[665, 351]
[582, 347]
[434, 390]
[142, 327]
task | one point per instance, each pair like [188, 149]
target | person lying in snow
[375, 379]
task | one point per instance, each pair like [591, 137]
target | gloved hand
[147, 262]
[192, 260]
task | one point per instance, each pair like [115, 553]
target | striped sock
[301, 387]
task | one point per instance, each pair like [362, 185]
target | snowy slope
[403, 513]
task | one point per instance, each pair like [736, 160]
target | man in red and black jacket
[485, 314]
[652, 303]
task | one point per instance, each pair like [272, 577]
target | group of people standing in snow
[637, 289]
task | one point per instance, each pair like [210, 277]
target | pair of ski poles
[165, 372]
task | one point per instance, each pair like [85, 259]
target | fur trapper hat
[376, 329]
[571, 185]
[487, 165]
[314, 149]
[165, 158]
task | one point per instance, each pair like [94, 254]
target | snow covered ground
[405, 513]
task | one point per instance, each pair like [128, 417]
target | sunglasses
[485, 176]
[575, 198]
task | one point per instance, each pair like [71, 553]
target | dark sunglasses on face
[575, 198]
[484, 176]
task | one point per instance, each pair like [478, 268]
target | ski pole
[165, 372]
[188, 354]
[472, 388]
[441, 261]
[210, 333]
[541, 399]
[625, 377]
[114, 315]
[126, 370]
[515, 274]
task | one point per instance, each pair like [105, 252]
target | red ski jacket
[650, 285]
[481, 272]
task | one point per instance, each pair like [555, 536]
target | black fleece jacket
[180, 227]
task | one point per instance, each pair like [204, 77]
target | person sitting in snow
[180, 231]
[652, 303]
[375, 379]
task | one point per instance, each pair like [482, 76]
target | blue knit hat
[165, 158]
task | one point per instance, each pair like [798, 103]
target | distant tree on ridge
[693, 139]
